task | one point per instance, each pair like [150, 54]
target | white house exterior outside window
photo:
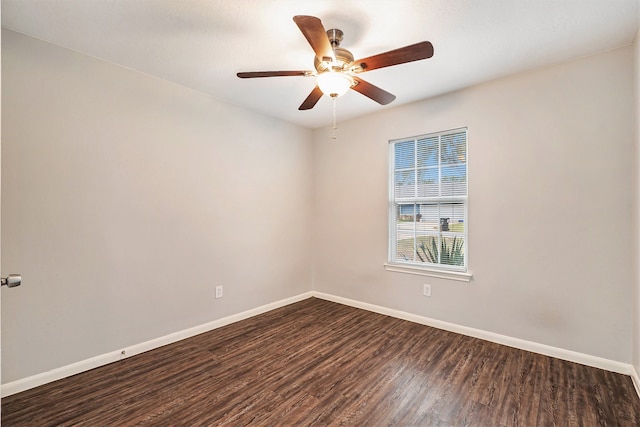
[428, 201]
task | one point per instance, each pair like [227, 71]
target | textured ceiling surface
[202, 44]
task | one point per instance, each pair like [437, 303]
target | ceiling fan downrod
[335, 37]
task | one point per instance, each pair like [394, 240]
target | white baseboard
[113, 356]
[635, 379]
[103, 359]
[560, 353]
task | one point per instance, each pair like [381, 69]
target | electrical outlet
[427, 290]
[218, 291]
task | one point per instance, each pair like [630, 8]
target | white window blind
[428, 200]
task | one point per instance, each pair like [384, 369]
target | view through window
[428, 200]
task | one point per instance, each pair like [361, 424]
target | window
[428, 201]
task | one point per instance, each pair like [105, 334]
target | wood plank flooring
[318, 363]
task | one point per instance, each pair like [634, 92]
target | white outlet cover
[427, 290]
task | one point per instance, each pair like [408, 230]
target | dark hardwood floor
[320, 363]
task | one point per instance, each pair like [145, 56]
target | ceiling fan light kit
[336, 71]
[334, 84]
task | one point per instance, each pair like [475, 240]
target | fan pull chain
[335, 125]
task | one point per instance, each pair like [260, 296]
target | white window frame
[459, 273]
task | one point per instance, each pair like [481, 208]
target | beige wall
[636, 334]
[0, 191]
[550, 207]
[126, 199]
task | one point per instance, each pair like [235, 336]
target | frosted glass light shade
[334, 83]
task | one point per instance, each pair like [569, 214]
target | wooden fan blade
[414, 52]
[253, 74]
[381, 96]
[316, 35]
[312, 99]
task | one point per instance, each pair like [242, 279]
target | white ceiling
[202, 44]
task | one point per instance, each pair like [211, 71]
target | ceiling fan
[335, 69]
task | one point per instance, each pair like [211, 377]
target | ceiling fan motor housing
[344, 58]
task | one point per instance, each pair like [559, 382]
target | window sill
[440, 274]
